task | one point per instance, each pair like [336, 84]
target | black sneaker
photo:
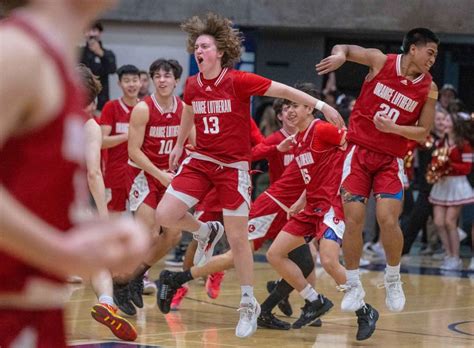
[367, 316]
[313, 310]
[284, 305]
[122, 299]
[269, 321]
[167, 287]
[316, 323]
[136, 290]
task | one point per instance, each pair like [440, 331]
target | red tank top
[161, 131]
[391, 95]
[44, 168]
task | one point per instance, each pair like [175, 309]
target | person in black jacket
[100, 60]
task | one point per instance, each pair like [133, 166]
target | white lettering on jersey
[199, 107]
[304, 159]
[164, 132]
[398, 99]
[219, 106]
[287, 159]
[121, 127]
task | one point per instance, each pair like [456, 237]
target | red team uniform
[161, 133]
[375, 159]
[319, 158]
[223, 151]
[44, 170]
[116, 114]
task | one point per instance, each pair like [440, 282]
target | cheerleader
[451, 162]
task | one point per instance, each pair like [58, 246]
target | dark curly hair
[228, 39]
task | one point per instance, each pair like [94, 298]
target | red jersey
[388, 94]
[277, 161]
[161, 131]
[44, 169]
[222, 115]
[460, 158]
[320, 160]
[116, 114]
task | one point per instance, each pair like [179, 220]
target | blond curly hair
[228, 39]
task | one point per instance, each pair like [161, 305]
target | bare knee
[272, 256]
[387, 222]
[166, 215]
[329, 264]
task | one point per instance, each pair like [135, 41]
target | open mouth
[199, 60]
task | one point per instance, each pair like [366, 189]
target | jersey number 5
[211, 124]
[386, 111]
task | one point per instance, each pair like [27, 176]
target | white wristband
[319, 105]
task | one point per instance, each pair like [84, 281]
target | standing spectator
[100, 60]
[145, 85]
[447, 94]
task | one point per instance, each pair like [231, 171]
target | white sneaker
[394, 296]
[453, 264]
[471, 265]
[353, 297]
[249, 313]
[206, 246]
[149, 287]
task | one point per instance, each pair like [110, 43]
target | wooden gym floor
[439, 313]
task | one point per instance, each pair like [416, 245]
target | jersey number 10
[386, 111]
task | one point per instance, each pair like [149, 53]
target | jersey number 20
[386, 111]
[211, 124]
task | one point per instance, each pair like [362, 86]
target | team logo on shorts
[251, 228]
[136, 194]
[335, 220]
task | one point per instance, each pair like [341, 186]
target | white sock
[352, 276]
[308, 293]
[392, 271]
[247, 293]
[202, 231]
[107, 300]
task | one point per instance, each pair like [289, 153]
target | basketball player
[105, 311]
[114, 122]
[153, 133]
[43, 185]
[397, 103]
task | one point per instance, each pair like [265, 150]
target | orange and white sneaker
[178, 297]
[213, 284]
[120, 327]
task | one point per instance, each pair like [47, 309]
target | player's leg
[451, 223]
[329, 248]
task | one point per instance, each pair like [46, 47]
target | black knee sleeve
[303, 258]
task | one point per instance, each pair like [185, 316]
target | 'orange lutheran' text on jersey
[222, 115]
[388, 94]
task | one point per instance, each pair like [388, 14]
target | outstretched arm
[371, 57]
[280, 90]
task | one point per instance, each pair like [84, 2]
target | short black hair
[127, 70]
[418, 36]
[311, 89]
[97, 25]
[278, 105]
[167, 65]
[143, 72]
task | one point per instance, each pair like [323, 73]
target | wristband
[319, 105]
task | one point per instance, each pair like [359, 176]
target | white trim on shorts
[190, 201]
[141, 187]
[346, 168]
[338, 227]
[401, 173]
[242, 210]
[260, 226]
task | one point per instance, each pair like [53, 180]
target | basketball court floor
[439, 313]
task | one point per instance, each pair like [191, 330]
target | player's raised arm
[280, 90]
[371, 57]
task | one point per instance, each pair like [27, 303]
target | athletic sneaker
[471, 265]
[178, 297]
[312, 310]
[394, 296]
[249, 313]
[120, 327]
[213, 284]
[353, 298]
[316, 323]
[149, 287]
[367, 317]
[178, 258]
[136, 291]
[206, 246]
[167, 287]
[452, 264]
[284, 305]
[269, 321]
[122, 299]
